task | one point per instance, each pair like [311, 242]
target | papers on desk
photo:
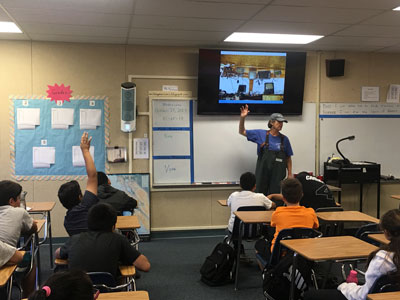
[61, 118]
[43, 157]
[77, 157]
[89, 118]
[28, 118]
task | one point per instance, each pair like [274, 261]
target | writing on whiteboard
[168, 107]
[169, 169]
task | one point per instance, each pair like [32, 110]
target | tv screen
[267, 81]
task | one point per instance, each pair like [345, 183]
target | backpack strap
[282, 139]
[266, 143]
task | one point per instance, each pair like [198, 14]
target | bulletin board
[45, 138]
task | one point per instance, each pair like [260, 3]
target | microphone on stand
[345, 160]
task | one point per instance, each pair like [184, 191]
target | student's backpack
[218, 267]
[276, 280]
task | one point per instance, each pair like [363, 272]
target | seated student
[316, 193]
[385, 260]
[68, 285]
[290, 216]
[14, 221]
[101, 249]
[70, 193]
[116, 198]
[246, 197]
[9, 255]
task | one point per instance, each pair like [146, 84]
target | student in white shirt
[247, 197]
[385, 260]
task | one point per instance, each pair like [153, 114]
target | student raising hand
[85, 141]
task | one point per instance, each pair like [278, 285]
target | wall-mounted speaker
[334, 67]
[128, 107]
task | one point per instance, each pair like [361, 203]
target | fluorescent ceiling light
[396, 8]
[9, 27]
[271, 38]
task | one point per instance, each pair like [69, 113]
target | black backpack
[276, 280]
[218, 267]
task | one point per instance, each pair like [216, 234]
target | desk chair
[330, 228]
[105, 282]
[385, 284]
[363, 231]
[251, 232]
[289, 233]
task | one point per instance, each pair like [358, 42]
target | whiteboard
[376, 140]
[171, 171]
[221, 154]
[168, 142]
[171, 141]
[171, 113]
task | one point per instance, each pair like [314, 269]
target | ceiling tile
[101, 6]
[371, 30]
[290, 27]
[177, 35]
[357, 41]
[341, 48]
[390, 18]
[55, 29]
[162, 22]
[13, 36]
[217, 10]
[393, 49]
[59, 16]
[77, 39]
[374, 4]
[314, 14]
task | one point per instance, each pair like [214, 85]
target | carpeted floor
[175, 264]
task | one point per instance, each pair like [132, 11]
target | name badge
[279, 159]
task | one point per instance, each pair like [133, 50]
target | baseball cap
[277, 117]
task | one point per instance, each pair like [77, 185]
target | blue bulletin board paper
[62, 139]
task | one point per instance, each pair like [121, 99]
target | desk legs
[37, 253]
[50, 240]
[241, 225]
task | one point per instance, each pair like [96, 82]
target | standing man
[274, 152]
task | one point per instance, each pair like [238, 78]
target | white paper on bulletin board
[169, 171]
[170, 113]
[165, 142]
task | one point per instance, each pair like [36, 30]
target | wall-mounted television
[267, 81]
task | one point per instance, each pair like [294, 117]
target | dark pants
[325, 294]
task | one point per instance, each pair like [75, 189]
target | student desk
[384, 296]
[138, 295]
[327, 249]
[397, 197]
[379, 237]
[127, 222]
[346, 216]
[36, 245]
[6, 273]
[44, 208]
[249, 217]
[223, 202]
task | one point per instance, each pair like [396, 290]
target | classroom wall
[98, 70]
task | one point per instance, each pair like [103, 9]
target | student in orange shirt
[289, 216]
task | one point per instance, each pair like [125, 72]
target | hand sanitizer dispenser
[128, 107]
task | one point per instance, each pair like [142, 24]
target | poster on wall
[45, 137]
[137, 186]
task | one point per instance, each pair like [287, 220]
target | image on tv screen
[252, 77]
